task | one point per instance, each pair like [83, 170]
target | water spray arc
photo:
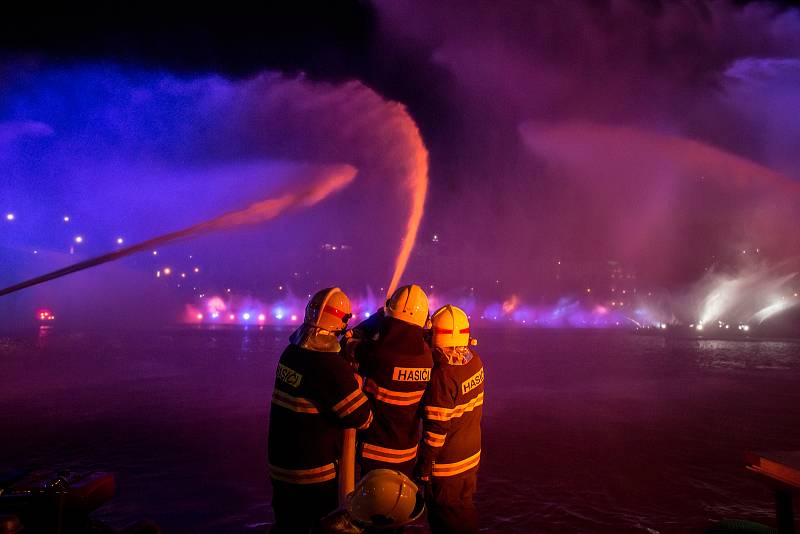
[336, 178]
[417, 184]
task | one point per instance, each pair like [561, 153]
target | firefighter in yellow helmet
[382, 500]
[450, 451]
[316, 396]
[396, 363]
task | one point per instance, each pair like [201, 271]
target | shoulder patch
[472, 382]
[288, 375]
[411, 374]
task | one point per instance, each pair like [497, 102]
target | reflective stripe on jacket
[396, 364]
[315, 396]
[453, 406]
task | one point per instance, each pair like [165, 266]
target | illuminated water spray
[773, 309]
[264, 113]
[338, 177]
[751, 296]
[333, 179]
[416, 182]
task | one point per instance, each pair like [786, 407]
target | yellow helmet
[450, 327]
[385, 498]
[328, 309]
[409, 304]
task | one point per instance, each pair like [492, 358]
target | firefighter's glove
[422, 474]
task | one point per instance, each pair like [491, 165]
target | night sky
[565, 140]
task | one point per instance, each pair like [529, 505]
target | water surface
[583, 431]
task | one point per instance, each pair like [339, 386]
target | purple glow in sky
[140, 153]
[565, 139]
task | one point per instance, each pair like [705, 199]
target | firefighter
[382, 501]
[451, 447]
[396, 365]
[316, 395]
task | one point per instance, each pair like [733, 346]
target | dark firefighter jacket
[316, 395]
[451, 442]
[396, 365]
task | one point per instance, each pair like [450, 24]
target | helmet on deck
[408, 304]
[328, 309]
[450, 327]
[385, 498]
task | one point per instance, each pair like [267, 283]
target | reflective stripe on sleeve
[433, 439]
[385, 454]
[456, 468]
[436, 413]
[399, 398]
[303, 476]
[350, 403]
[290, 402]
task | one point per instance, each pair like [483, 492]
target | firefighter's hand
[349, 344]
[422, 475]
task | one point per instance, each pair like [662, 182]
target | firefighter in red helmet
[450, 451]
[316, 396]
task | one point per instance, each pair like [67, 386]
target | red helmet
[328, 309]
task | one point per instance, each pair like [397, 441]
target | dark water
[584, 431]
